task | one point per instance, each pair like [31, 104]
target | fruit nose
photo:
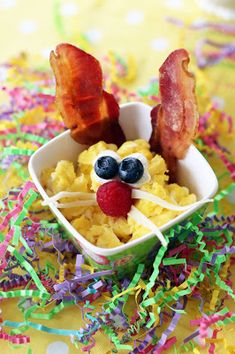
[114, 198]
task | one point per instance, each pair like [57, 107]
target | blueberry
[130, 170]
[106, 167]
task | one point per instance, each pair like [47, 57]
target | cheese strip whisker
[64, 194]
[139, 194]
[75, 204]
[141, 219]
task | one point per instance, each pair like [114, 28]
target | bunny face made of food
[122, 216]
[119, 189]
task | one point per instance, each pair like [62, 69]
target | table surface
[133, 29]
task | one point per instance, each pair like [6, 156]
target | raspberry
[114, 198]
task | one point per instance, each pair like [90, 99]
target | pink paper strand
[14, 339]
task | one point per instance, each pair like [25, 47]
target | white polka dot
[134, 17]
[219, 101]
[57, 348]
[174, 4]
[199, 21]
[7, 4]
[3, 74]
[94, 35]
[28, 26]
[69, 9]
[46, 52]
[159, 44]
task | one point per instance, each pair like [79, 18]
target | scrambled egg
[98, 228]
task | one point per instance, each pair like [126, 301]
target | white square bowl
[193, 172]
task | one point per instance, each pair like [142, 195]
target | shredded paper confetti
[210, 52]
[196, 270]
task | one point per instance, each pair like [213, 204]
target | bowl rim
[83, 242]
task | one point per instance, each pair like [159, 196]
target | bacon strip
[175, 121]
[90, 112]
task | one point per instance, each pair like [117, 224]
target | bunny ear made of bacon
[87, 110]
[175, 120]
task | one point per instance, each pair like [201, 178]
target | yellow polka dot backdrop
[136, 28]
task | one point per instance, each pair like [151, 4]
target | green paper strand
[43, 292]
